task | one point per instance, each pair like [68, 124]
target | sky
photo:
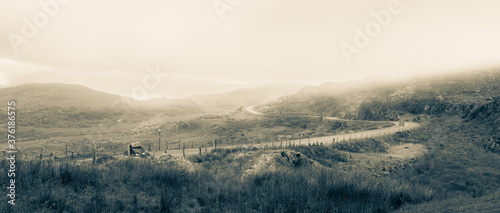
[179, 48]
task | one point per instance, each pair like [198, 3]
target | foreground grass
[138, 185]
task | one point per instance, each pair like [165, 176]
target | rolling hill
[65, 105]
[385, 101]
[250, 96]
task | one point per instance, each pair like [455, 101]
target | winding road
[325, 140]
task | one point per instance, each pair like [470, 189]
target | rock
[178, 162]
[279, 160]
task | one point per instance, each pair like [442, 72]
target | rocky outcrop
[276, 160]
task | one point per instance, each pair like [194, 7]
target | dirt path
[325, 140]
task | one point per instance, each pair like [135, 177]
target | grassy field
[449, 164]
[194, 132]
[455, 169]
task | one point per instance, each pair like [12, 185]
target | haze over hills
[59, 105]
[66, 105]
[249, 96]
[379, 101]
[37, 95]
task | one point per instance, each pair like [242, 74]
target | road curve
[252, 111]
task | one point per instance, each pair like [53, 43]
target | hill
[250, 96]
[385, 101]
[64, 105]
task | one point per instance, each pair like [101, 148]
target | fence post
[67, 160]
[93, 158]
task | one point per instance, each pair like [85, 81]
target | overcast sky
[107, 45]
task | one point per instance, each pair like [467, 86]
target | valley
[378, 147]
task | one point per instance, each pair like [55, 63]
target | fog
[211, 46]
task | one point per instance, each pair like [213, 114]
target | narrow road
[252, 111]
[325, 140]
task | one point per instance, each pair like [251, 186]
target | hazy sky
[107, 45]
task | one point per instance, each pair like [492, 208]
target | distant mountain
[250, 96]
[66, 105]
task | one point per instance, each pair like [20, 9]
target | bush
[324, 155]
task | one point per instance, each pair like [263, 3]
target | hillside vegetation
[42, 107]
[63, 105]
[461, 93]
